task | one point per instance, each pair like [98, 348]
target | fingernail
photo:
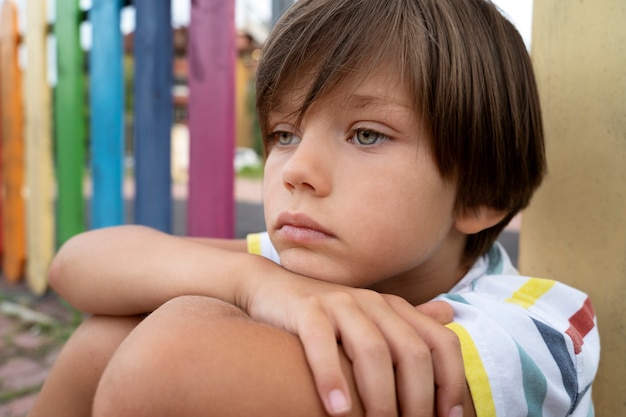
[456, 411]
[338, 402]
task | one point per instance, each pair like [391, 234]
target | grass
[55, 329]
[251, 172]
[53, 332]
[7, 396]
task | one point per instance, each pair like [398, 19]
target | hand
[399, 353]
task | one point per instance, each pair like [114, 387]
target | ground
[32, 332]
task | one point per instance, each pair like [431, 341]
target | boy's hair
[466, 69]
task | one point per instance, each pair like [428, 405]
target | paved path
[33, 329]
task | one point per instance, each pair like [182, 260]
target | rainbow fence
[44, 130]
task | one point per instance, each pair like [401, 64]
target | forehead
[380, 90]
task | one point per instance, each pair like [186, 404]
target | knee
[150, 369]
[124, 383]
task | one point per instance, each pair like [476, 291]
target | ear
[478, 219]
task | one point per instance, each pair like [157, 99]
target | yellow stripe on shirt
[254, 243]
[475, 373]
[528, 294]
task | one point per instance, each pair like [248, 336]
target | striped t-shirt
[530, 346]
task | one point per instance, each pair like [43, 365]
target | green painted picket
[69, 121]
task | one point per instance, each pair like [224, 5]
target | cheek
[406, 213]
[270, 175]
[273, 191]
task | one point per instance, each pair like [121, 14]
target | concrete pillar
[575, 229]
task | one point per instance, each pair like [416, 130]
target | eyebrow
[355, 101]
[361, 101]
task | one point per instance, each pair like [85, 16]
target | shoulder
[527, 342]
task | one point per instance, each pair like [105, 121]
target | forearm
[132, 270]
[223, 363]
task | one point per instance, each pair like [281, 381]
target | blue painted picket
[153, 50]
[107, 114]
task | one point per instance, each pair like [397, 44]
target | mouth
[299, 227]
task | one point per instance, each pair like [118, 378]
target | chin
[322, 271]
[308, 269]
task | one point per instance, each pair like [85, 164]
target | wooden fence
[51, 135]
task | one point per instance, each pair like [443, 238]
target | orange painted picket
[12, 147]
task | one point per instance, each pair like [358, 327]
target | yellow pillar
[575, 229]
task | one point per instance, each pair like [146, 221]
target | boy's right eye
[284, 138]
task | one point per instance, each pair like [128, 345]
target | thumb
[438, 310]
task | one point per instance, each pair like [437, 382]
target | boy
[401, 137]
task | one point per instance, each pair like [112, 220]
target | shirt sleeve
[260, 244]
[530, 346]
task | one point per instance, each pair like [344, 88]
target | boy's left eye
[368, 137]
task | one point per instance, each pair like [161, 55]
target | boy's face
[353, 195]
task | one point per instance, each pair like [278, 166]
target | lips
[300, 227]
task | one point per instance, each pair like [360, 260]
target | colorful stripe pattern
[540, 332]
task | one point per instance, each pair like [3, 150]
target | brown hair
[465, 66]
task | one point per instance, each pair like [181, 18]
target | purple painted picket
[212, 54]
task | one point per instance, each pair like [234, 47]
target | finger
[438, 310]
[414, 375]
[449, 372]
[371, 358]
[448, 366]
[412, 359]
[319, 340]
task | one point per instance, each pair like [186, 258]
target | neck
[434, 277]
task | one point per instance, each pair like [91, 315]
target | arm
[236, 245]
[132, 270]
[261, 370]
[129, 270]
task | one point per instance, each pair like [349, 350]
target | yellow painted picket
[39, 151]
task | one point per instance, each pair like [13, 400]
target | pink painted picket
[212, 56]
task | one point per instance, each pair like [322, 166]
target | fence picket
[153, 81]
[39, 157]
[13, 146]
[107, 114]
[69, 121]
[212, 54]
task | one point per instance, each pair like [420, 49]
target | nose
[309, 168]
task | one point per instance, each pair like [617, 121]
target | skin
[242, 327]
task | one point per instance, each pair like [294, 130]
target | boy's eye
[284, 138]
[368, 137]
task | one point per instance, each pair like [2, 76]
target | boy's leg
[199, 356]
[71, 385]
